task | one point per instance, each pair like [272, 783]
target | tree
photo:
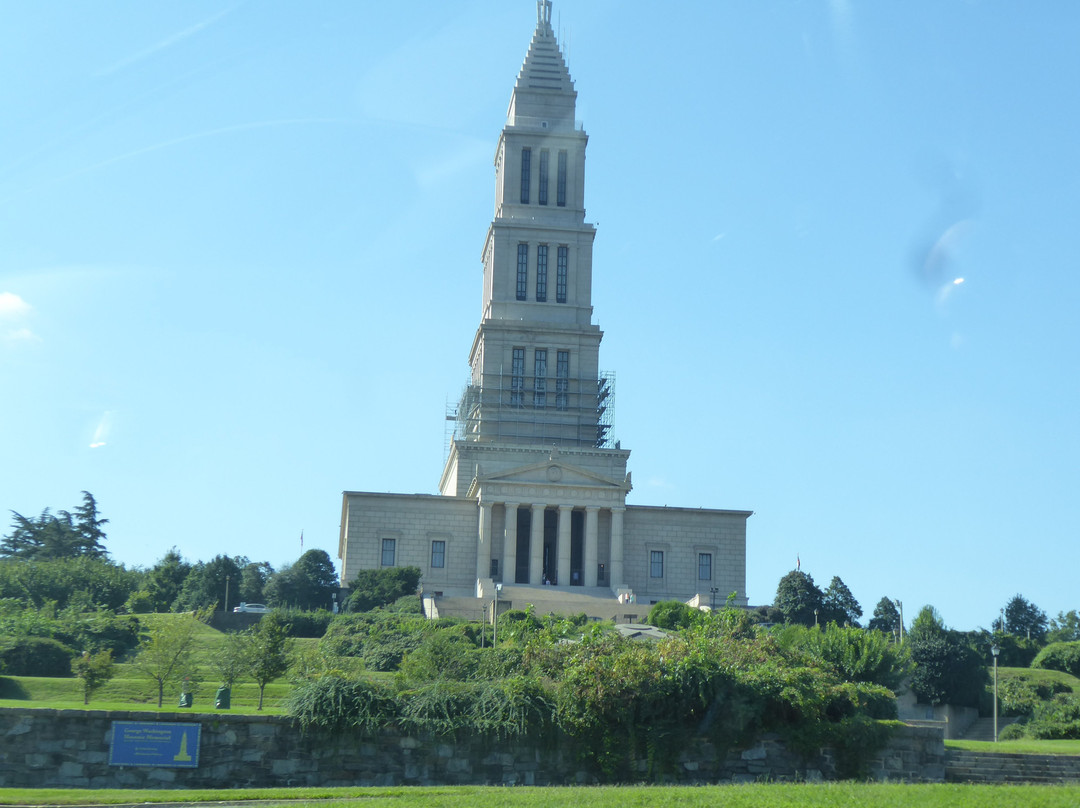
[62, 535]
[253, 578]
[308, 584]
[1065, 627]
[839, 605]
[93, 670]
[1024, 618]
[948, 667]
[886, 617]
[268, 650]
[798, 598]
[205, 584]
[165, 580]
[166, 653]
[374, 588]
[231, 661]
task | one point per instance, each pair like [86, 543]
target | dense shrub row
[614, 701]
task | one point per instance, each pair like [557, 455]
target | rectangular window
[656, 564]
[542, 185]
[389, 548]
[526, 169]
[704, 566]
[562, 378]
[517, 377]
[523, 272]
[438, 554]
[560, 188]
[541, 272]
[540, 379]
[560, 275]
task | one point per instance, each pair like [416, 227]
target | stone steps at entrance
[964, 766]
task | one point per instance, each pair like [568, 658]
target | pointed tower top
[544, 89]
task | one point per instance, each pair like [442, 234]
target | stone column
[536, 546]
[592, 542]
[564, 545]
[483, 544]
[509, 572]
[617, 573]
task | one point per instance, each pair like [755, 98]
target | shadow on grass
[10, 689]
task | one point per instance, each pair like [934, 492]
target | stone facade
[70, 749]
[534, 488]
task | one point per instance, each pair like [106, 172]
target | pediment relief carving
[553, 472]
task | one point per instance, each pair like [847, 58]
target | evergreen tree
[886, 617]
[839, 605]
[799, 599]
[60, 535]
[165, 580]
[1024, 619]
[89, 525]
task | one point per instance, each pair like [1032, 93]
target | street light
[995, 651]
[815, 618]
[495, 616]
[713, 592]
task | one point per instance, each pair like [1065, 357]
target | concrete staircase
[983, 729]
[598, 603]
[963, 766]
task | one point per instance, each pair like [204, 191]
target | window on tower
[523, 272]
[526, 170]
[560, 189]
[560, 275]
[562, 378]
[542, 184]
[540, 378]
[541, 272]
[517, 377]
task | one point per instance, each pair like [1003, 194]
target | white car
[251, 608]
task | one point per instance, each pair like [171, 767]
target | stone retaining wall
[70, 749]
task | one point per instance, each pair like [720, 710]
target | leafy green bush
[858, 655]
[513, 707]
[674, 614]
[35, 656]
[1059, 656]
[336, 701]
[1012, 732]
[1056, 719]
[373, 588]
[300, 623]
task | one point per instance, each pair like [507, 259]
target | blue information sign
[154, 743]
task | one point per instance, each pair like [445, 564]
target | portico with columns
[534, 487]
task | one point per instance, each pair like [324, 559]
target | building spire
[543, 14]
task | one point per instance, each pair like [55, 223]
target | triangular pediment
[554, 472]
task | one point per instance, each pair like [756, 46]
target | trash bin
[222, 699]
[186, 699]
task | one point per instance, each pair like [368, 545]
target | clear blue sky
[240, 270]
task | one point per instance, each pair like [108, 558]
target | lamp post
[995, 651]
[712, 593]
[815, 618]
[226, 609]
[495, 617]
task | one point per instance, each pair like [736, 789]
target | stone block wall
[70, 749]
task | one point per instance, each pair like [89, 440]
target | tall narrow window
[438, 554]
[704, 566]
[523, 272]
[541, 272]
[542, 185]
[526, 170]
[656, 564]
[560, 188]
[560, 276]
[540, 379]
[562, 378]
[517, 377]
[389, 551]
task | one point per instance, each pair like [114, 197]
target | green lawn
[1021, 747]
[823, 795]
[129, 691]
